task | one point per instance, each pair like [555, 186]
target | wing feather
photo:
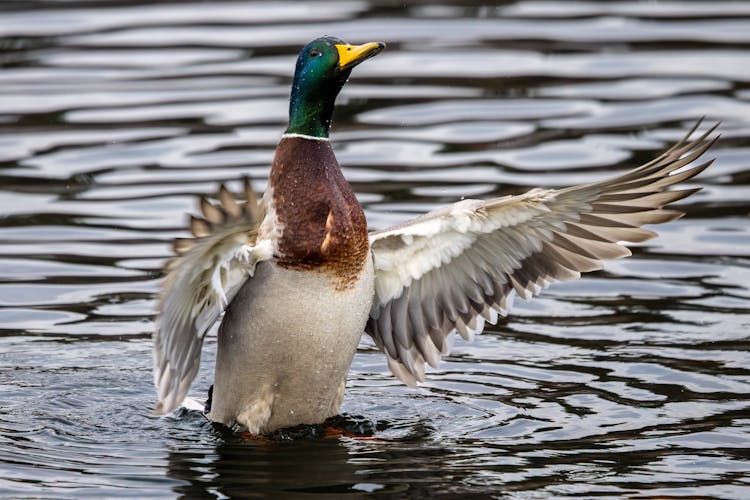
[459, 266]
[204, 277]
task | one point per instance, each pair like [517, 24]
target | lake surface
[114, 116]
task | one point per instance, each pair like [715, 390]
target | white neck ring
[304, 136]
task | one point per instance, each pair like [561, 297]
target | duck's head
[323, 67]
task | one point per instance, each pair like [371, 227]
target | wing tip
[399, 370]
[159, 410]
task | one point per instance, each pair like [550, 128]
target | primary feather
[452, 269]
[201, 281]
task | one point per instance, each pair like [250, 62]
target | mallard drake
[299, 278]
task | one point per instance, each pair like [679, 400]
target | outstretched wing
[208, 271]
[456, 267]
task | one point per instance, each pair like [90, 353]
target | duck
[299, 278]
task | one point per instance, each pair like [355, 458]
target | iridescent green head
[322, 69]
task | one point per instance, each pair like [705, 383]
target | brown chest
[323, 226]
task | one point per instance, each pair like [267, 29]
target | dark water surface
[632, 382]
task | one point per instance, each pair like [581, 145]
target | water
[633, 381]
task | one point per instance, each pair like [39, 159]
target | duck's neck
[311, 103]
[309, 117]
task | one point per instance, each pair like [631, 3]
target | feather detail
[201, 280]
[454, 268]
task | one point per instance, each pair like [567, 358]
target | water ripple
[114, 116]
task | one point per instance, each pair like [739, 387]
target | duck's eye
[315, 53]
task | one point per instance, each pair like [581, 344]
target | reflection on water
[633, 381]
[232, 468]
